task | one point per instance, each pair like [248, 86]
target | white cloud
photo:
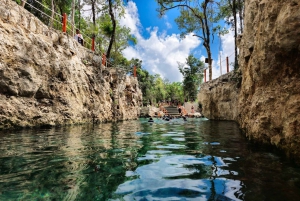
[227, 51]
[159, 52]
[168, 25]
[131, 19]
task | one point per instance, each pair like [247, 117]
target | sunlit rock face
[219, 97]
[270, 63]
[47, 78]
[269, 98]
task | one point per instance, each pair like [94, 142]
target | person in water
[150, 119]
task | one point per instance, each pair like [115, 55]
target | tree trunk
[52, 13]
[241, 13]
[79, 13]
[209, 63]
[236, 65]
[73, 17]
[94, 12]
[23, 2]
[206, 35]
[112, 38]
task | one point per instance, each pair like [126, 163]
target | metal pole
[220, 46]
[134, 71]
[64, 28]
[227, 63]
[93, 43]
[220, 65]
[103, 59]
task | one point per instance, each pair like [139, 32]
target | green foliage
[174, 91]
[101, 25]
[192, 72]
[154, 88]
[18, 1]
[146, 83]
[202, 17]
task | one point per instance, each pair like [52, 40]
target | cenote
[196, 159]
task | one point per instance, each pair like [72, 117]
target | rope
[96, 45]
[44, 7]
[42, 12]
[227, 56]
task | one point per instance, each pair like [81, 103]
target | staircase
[172, 110]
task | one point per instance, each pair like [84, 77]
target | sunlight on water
[181, 160]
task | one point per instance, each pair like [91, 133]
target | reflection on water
[136, 160]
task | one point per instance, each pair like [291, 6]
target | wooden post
[134, 71]
[220, 65]
[227, 63]
[204, 75]
[64, 27]
[93, 43]
[103, 59]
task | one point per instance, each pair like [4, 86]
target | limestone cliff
[47, 78]
[219, 98]
[268, 102]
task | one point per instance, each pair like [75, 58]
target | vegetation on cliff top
[200, 17]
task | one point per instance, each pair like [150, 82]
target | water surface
[181, 160]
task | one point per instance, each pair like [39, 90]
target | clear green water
[137, 160]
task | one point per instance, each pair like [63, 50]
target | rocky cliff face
[47, 78]
[269, 99]
[219, 97]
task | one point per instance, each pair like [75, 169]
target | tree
[229, 9]
[159, 89]
[240, 8]
[23, 2]
[146, 83]
[111, 8]
[196, 16]
[52, 13]
[123, 39]
[64, 6]
[192, 71]
[117, 6]
[73, 16]
[174, 91]
[78, 7]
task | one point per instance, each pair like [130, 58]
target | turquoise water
[181, 160]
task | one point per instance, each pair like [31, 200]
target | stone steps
[173, 111]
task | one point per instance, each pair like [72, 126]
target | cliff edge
[267, 103]
[47, 78]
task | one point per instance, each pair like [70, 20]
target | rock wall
[269, 98]
[47, 78]
[219, 97]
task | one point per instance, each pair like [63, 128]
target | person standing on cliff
[78, 37]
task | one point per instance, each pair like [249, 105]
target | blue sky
[160, 46]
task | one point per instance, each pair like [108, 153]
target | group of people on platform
[181, 110]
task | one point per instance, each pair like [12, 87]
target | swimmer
[150, 119]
